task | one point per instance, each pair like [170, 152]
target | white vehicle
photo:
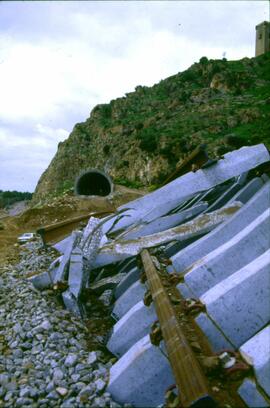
[26, 237]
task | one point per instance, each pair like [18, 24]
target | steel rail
[189, 377]
[53, 233]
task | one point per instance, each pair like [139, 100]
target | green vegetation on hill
[138, 139]
[10, 197]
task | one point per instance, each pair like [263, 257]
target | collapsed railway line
[191, 317]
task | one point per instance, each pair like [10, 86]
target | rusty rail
[197, 158]
[189, 377]
[53, 233]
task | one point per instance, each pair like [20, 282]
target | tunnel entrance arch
[93, 182]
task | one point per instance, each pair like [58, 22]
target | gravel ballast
[45, 360]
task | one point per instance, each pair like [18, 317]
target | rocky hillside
[139, 138]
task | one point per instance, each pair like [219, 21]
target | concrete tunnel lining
[93, 182]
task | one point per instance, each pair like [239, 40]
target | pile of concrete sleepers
[213, 225]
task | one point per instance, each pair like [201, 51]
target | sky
[58, 59]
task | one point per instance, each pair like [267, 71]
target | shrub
[128, 183]
[188, 76]
[204, 60]
[81, 129]
[66, 187]
[106, 149]
[10, 197]
[234, 140]
[148, 139]
[139, 126]
[221, 150]
[105, 110]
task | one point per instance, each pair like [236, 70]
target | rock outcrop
[139, 138]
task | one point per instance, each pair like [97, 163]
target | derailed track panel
[182, 319]
[188, 374]
[200, 376]
[53, 233]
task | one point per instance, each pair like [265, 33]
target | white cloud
[105, 59]
[58, 135]
[31, 82]
[41, 136]
[24, 156]
[59, 59]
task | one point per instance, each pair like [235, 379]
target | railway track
[188, 373]
[50, 234]
[186, 310]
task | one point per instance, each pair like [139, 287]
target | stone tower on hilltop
[262, 38]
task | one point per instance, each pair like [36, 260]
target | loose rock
[44, 360]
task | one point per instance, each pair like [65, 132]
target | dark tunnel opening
[93, 182]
